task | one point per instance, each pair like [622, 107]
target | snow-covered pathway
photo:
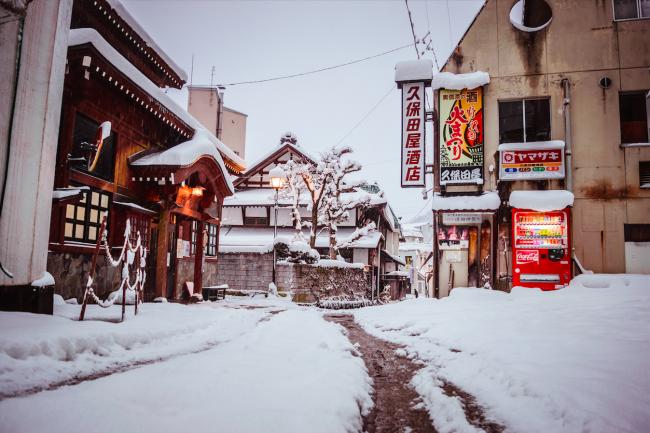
[575, 360]
[292, 372]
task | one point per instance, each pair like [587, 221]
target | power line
[373, 109]
[417, 214]
[313, 72]
[451, 41]
[382, 162]
[415, 43]
[430, 42]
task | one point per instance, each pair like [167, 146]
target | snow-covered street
[574, 360]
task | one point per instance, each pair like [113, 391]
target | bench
[212, 293]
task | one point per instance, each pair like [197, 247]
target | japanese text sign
[413, 123]
[460, 218]
[532, 164]
[461, 136]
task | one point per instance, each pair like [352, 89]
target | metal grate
[644, 174]
[84, 131]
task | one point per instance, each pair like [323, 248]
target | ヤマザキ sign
[529, 161]
[461, 136]
[413, 121]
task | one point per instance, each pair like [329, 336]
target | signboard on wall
[453, 237]
[531, 163]
[413, 122]
[461, 136]
[462, 218]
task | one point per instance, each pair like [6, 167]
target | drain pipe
[567, 135]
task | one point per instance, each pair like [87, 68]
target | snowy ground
[575, 360]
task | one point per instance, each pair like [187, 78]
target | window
[524, 121]
[212, 239]
[84, 219]
[633, 108]
[195, 231]
[140, 224]
[84, 132]
[631, 9]
[644, 174]
[256, 221]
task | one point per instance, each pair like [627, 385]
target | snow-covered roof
[416, 246]
[60, 193]
[398, 274]
[84, 36]
[135, 207]
[412, 230]
[447, 80]
[487, 201]
[266, 197]
[554, 144]
[414, 70]
[541, 201]
[295, 147]
[133, 23]
[262, 236]
[396, 259]
[187, 153]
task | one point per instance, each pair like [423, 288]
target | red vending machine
[541, 249]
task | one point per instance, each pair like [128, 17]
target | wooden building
[158, 167]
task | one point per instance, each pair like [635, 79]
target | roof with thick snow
[541, 201]
[84, 36]
[133, 23]
[447, 80]
[489, 200]
[186, 154]
[415, 246]
[243, 237]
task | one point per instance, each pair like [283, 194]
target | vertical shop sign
[413, 122]
[461, 136]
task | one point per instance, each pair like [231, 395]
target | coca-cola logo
[527, 256]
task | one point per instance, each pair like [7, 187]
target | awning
[393, 258]
[487, 202]
[541, 201]
[65, 196]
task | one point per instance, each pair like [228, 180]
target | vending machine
[541, 249]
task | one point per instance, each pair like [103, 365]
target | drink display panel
[541, 249]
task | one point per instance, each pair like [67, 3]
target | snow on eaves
[396, 259]
[296, 148]
[266, 197]
[133, 23]
[187, 153]
[84, 36]
[447, 80]
[487, 201]
[538, 145]
[541, 201]
[414, 70]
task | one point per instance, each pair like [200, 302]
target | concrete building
[205, 103]
[568, 77]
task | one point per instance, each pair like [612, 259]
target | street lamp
[277, 177]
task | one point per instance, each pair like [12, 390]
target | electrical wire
[425, 205]
[451, 42]
[415, 43]
[313, 72]
[429, 28]
[382, 162]
[373, 109]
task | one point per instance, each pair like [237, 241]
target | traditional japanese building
[249, 218]
[157, 166]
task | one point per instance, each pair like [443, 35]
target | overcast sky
[256, 40]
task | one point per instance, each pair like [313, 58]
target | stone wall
[185, 272]
[246, 271]
[70, 272]
[307, 283]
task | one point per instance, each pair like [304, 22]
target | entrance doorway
[171, 268]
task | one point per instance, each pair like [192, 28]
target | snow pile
[339, 264]
[447, 80]
[300, 247]
[116, 297]
[46, 280]
[292, 373]
[58, 300]
[487, 201]
[574, 360]
[541, 201]
[414, 70]
[37, 351]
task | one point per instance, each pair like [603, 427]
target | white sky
[255, 40]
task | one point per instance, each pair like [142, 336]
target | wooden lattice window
[83, 220]
[212, 239]
[141, 224]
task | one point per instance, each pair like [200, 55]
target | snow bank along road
[575, 360]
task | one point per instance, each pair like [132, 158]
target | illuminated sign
[461, 136]
[522, 161]
[413, 122]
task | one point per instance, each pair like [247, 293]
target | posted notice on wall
[413, 127]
